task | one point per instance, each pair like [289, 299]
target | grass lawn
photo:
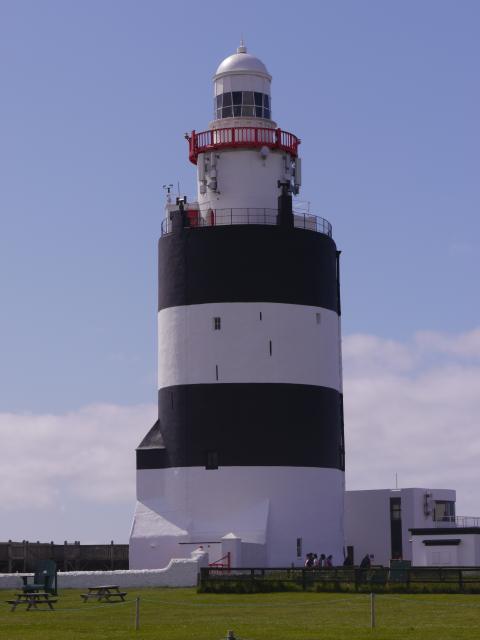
[182, 614]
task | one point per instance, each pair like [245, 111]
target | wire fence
[283, 618]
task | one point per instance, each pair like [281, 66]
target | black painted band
[248, 263]
[246, 425]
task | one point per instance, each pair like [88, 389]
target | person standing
[365, 563]
[309, 561]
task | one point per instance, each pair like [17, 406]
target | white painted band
[270, 506]
[256, 343]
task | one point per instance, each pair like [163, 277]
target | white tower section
[243, 155]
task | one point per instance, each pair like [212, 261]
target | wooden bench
[32, 599]
[109, 593]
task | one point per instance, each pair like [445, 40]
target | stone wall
[181, 572]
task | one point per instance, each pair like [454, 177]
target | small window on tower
[318, 318]
[211, 461]
[248, 112]
[299, 548]
[217, 323]
[248, 97]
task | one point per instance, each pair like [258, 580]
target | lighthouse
[249, 443]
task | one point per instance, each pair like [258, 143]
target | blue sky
[96, 97]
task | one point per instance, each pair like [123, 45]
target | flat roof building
[378, 521]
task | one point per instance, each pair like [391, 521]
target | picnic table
[109, 593]
[32, 599]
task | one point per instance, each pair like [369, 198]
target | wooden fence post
[137, 614]
[9, 556]
[372, 610]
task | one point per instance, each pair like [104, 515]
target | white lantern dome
[242, 87]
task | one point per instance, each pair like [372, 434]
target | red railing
[220, 564]
[241, 137]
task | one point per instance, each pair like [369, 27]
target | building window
[216, 371]
[299, 548]
[395, 509]
[318, 318]
[251, 104]
[444, 511]
[211, 461]
[270, 347]
[217, 323]
[260, 315]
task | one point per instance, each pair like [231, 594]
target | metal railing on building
[247, 216]
[457, 521]
[232, 137]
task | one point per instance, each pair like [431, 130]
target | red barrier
[241, 137]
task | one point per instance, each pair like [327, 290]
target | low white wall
[181, 572]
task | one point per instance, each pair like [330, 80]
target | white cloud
[86, 454]
[410, 407]
[419, 416]
[465, 345]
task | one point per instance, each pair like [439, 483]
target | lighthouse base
[275, 514]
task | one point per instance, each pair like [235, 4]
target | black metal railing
[249, 215]
[410, 578]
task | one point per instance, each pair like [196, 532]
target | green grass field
[182, 614]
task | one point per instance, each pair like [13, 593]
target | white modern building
[379, 521]
[453, 542]
[248, 449]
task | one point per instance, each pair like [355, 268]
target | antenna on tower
[168, 192]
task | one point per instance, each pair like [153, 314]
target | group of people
[312, 561]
